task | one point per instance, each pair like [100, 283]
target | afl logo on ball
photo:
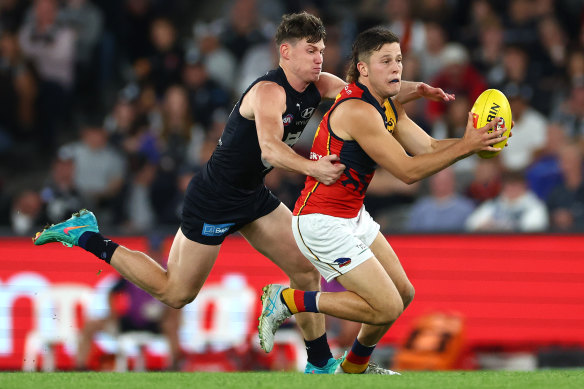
[307, 113]
[287, 119]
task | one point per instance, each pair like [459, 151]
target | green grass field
[544, 379]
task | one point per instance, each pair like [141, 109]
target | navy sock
[99, 246]
[318, 351]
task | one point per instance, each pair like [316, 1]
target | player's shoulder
[357, 106]
[268, 91]
[356, 111]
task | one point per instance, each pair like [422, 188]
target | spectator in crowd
[487, 56]
[136, 213]
[520, 24]
[18, 92]
[180, 136]
[26, 212]
[130, 310]
[480, 15]
[258, 60]
[458, 76]
[134, 18]
[128, 130]
[99, 168]
[544, 173]
[452, 125]
[59, 195]
[570, 113]
[517, 70]
[163, 67]
[12, 13]
[86, 20]
[529, 131]
[180, 141]
[486, 181]
[444, 209]
[554, 42]
[243, 29]
[404, 24]
[50, 46]
[221, 64]
[516, 209]
[566, 200]
[431, 62]
[205, 95]
[574, 66]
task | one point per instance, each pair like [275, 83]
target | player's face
[306, 59]
[385, 70]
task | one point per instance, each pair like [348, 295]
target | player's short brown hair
[365, 44]
[298, 26]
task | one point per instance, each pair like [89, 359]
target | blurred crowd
[114, 105]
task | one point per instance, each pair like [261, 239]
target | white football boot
[274, 312]
[372, 368]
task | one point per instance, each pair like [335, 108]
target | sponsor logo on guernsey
[287, 119]
[216, 229]
[307, 112]
[343, 261]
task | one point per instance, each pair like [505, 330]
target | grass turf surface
[544, 379]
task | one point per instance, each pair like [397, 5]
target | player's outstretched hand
[483, 139]
[327, 169]
[432, 93]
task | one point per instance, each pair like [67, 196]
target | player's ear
[362, 68]
[285, 50]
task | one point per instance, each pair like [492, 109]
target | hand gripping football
[490, 104]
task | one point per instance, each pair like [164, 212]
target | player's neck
[365, 81]
[295, 82]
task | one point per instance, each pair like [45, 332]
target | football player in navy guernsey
[229, 194]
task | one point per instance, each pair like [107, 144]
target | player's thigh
[371, 282]
[271, 235]
[390, 262]
[189, 265]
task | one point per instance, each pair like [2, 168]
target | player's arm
[330, 86]
[413, 139]
[412, 90]
[268, 102]
[362, 122]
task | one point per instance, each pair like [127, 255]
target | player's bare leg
[189, 265]
[370, 335]
[373, 297]
[271, 235]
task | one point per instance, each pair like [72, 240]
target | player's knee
[307, 279]
[388, 312]
[177, 301]
[408, 295]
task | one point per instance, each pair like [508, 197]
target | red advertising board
[513, 291]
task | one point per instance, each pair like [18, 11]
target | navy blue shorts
[211, 212]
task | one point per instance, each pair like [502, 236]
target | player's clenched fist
[327, 169]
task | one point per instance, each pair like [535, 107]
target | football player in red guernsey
[365, 127]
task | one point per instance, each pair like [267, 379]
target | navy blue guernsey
[236, 161]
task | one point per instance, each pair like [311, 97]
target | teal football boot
[69, 231]
[329, 368]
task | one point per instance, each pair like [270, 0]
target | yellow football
[490, 104]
